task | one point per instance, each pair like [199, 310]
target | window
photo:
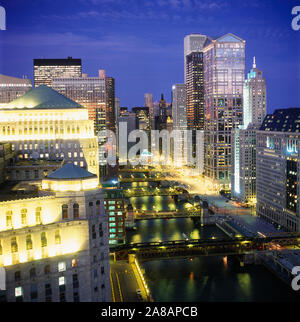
[90, 209]
[48, 292]
[98, 206]
[23, 217]
[38, 218]
[47, 269]
[19, 294]
[33, 292]
[75, 281]
[102, 269]
[57, 237]
[18, 276]
[64, 211]
[32, 272]
[43, 239]
[61, 266]
[75, 210]
[28, 242]
[93, 232]
[61, 280]
[9, 220]
[14, 245]
[74, 262]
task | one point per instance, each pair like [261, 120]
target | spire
[254, 64]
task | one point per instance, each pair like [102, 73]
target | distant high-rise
[179, 107]
[255, 97]
[110, 104]
[13, 87]
[224, 68]
[90, 92]
[47, 69]
[149, 104]
[193, 43]
[194, 79]
[243, 148]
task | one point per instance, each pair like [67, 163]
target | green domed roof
[42, 97]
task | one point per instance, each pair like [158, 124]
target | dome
[70, 178]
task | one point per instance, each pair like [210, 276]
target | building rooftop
[282, 120]
[70, 171]
[10, 80]
[42, 97]
[57, 61]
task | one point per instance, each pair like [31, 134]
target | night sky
[140, 43]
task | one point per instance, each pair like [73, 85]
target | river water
[205, 278]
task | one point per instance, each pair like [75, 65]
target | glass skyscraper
[224, 68]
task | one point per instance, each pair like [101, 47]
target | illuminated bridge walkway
[172, 214]
[198, 247]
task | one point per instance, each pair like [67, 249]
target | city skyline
[141, 45]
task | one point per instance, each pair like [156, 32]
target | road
[123, 282]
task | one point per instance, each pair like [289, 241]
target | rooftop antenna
[254, 64]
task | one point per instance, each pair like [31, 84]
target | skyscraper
[47, 69]
[255, 97]
[149, 104]
[12, 88]
[243, 149]
[179, 107]
[224, 67]
[110, 104]
[194, 79]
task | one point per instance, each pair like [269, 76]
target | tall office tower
[255, 97]
[224, 68]
[12, 88]
[161, 119]
[117, 108]
[54, 235]
[110, 104]
[194, 79]
[179, 122]
[149, 104]
[179, 107]
[278, 168]
[43, 124]
[89, 92]
[243, 149]
[46, 69]
[193, 43]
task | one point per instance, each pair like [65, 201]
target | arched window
[38, 217]
[64, 211]
[75, 210]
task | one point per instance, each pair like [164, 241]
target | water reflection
[208, 279]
